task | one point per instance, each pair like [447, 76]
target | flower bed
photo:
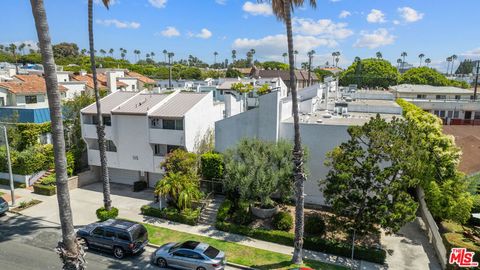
[24, 205]
[187, 216]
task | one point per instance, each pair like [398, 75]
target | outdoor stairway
[209, 214]
[45, 175]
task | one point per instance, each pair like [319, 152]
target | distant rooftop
[179, 104]
[429, 89]
[353, 119]
[140, 104]
[109, 102]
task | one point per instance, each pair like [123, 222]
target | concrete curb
[243, 267]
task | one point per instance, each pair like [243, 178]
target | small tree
[211, 165]
[365, 185]
[181, 189]
[181, 161]
[255, 169]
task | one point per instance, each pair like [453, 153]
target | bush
[139, 186]
[6, 182]
[103, 214]
[187, 216]
[242, 215]
[282, 221]
[476, 204]
[287, 239]
[49, 180]
[211, 166]
[315, 225]
[44, 190]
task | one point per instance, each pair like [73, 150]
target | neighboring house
[141, 128]
[321, 130]
[24, 99]
[454, 105]
[301, 76]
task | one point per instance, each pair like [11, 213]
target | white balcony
[167, 136]
[90, 131]
[94, 158]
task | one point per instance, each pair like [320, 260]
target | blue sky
[437, 28]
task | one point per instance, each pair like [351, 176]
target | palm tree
[252, 55]
[333, 57]
[13, 49]
[295, 53]
[234, 56]
[337, 54]
[454, 57]
[336, 61]
[428, 61]
[147, 56]
[111, 52]
[282, 10]
[103, 52]
[152, 54]
[449, 59]
[403, 55]
[70, 251]
[215, 57]
[21, 48]
[379, 55]
[399, 61]
[421, 56]
[170, 57]
[310, 57]
[285, 57]
[107, 202]
[165, 52]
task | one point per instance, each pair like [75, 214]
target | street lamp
[12, 189]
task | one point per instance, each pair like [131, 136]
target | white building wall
[4, 96]
[63, 77]
[74, 89]
[132, 83]
[42, 102]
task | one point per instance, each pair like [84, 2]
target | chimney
[112, 81]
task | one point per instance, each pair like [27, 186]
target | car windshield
[211, 252]
[139, 233]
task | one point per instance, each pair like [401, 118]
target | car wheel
[161, 262]
[118, 252]
[201, 268]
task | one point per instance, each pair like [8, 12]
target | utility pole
[476, 81]
[12, 188]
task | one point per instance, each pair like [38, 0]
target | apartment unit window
[441, 97]
[442, 114]
[107, 120]
[437, 113]
[2, 101]
[155, 123]
[450, 114]
[30, 99]
[172, 124]
[421, 96]
[457, 97]
[133, 86]
[477, 115]
[163, 149]
[456, 114]
[111, 146]
[472, 97]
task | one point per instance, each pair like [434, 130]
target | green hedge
[103, 214]
[282, 221]
[6, 182]
[29, 161]
[211, 166]
[187, 216]
[44, 190]
[310, 243]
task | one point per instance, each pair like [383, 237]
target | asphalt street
[27, 243]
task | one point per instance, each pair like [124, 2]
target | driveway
[86, 200]
[411, 249]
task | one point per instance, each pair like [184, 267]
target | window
[111, 146]
[168, 124]
[163, 149]
[456, 114]
[107, 120]
[441, 97]
[2, 101]
[155, 123]
[109, 234]
[422, 96]
[180, 253]
[437, 113]
[179, 124]
[450, 114]
[123, 236]
[133, 87]
[442, 114]
[477, 115]
[211, 252]
[457, 97]
[30, 99]
[98, 231]
[472, 97]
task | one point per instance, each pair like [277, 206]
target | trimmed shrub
[49, 180]
[223, 210]
[211, 166]
[315, 225]
[282, 221]
[187, 216]
[242, 215]
[103, 214]
[139, 186]
[44, 189]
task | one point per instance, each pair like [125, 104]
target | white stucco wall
[4, 95]
[41, 101]
[73, 89]
[132, 83]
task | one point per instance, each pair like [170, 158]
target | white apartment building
[141, 128]
[323, 125]
[454, 105]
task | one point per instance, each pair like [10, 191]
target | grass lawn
[236, 253]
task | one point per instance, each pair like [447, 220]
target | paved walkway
[209, 214]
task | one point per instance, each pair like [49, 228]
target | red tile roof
[28, 84]
[101, 79]
[140, 77]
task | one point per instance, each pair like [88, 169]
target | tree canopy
[371, 73]
[429, 76]
[365, 185]
[322, 73]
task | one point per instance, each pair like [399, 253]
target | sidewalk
[86, 200]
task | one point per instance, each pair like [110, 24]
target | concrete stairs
[45, 175]
[209, 213]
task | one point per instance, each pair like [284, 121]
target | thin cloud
[204, 34]
[344, 14]
[119, 24]
[170, 31]
[324, 28]
[378, 38]
[158, 3]
[256, 9]
[376, 16]
[410, 15]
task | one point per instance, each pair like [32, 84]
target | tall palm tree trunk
[70, 251]
[107, 202]
[298, 174]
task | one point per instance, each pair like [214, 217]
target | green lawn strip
[236, 253]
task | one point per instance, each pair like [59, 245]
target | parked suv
[119, 236]
[3, 206]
